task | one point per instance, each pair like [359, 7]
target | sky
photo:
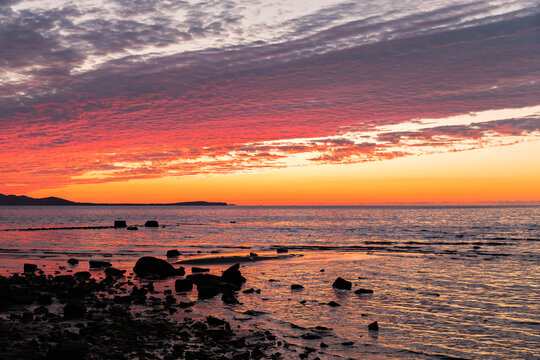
[271, 102]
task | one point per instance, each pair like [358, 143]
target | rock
[229, 298]
[252, 254]
[180, 271]
[133, 228]
[249, 291]
[296, 287]
[323, 345]
[187, 304]
[342, 284]
[27, 317]
[30, 268]
[333, 304]
[282, 250]
[82, 275]
[196, 269]
[74, 310]
[347, 343]
[310, 336]
[183, 285]
[73, 261]
[114, 272]
[68, 350]
[232, 275]
[96, 264]
[44, 299]
[374, 326]
[120, 224]
[173, 253]
[151, 266]
[363, 291]
[151, 223]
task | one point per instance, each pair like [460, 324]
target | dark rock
[252, 254]
[82, 275]
[151, 223]
[68, 350]
[180, 271]
[120, 224]
[232, 275]
[333, 304]
[183, 285]
[322, 270]
[374, 326]
[249, 291]
[151, 266]
[347, 343]
[342, 284]
[214, 321]
[186, 304]
[196, 269]
[41, 310]
[229, 298]
[27, 317]
[173, 253]
[73, 261]
[311, 336]
[114, 272]
[118, 311]
[44, 299]
[296, 287]
[95, 264]
[363, 291]
[74, 310]
[323, 345]
[30, 268]
[282, 250]
[132, 228]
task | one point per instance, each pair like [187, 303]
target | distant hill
[15, 200]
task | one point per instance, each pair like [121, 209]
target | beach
[446, 282]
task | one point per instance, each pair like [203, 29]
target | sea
[448, 282]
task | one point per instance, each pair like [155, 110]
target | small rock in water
[232, 275]
[282, 250]
[196, 269]
[120, 224]
[73, 261]
[296, 287]
[114, 272]
[95, 264]
[30, 268]
[374, 326]
[249, 291]
[229, 298]
[183, 285]
[343, 284]
[252, 254]
[322, 270]
[132, 228]
[333, 304]
[363, 291]
[180, 271]
[232, 222]
[173, 253]
[347, 343]
[323, 345]
[151, 223]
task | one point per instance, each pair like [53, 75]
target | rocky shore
[114, 316]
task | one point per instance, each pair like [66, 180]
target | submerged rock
[173, 253]
[343, 284]
[151, 223]
[151, 266]
[96, 264]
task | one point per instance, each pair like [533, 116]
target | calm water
[448, 282]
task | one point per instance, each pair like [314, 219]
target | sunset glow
[321, 103]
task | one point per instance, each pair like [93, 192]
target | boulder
[183, 285]
[151, 223]
[342, 284]
[296, 287]
[374, 326]
[173, 253]
[180, 271]
[363, 291]
[120, 224]
[114, 272]
[73, 261]
[151, 266]
[133, 228]
[96, 264]
[74, 310]
[282, 250]
[82, 275]
[196, 269]
[232, 275]
[30, 268]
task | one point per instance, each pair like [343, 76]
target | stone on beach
[149, 266]
[183, 285]
[96, 264]
[151, 223]
[343, 284]
[120, 224]
[173, 253]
